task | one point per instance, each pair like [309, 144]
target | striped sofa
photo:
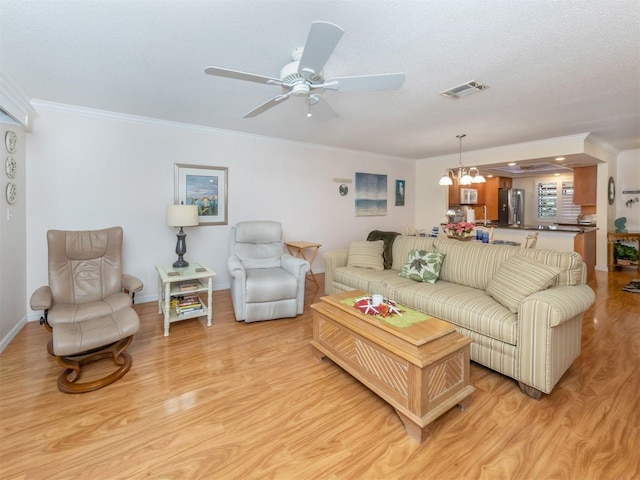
[535, 344]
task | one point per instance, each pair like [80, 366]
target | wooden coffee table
[421, 370]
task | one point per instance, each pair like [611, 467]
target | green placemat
[406, 318]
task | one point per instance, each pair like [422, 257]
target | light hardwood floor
[249, 401]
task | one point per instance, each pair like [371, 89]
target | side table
[615, 237]
[171, 284]
[297, 249]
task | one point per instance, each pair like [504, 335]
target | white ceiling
[554, 68]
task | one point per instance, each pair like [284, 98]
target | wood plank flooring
[249, 401]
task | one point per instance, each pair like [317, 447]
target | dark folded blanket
[388, 238]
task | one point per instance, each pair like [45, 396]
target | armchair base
[68, 379]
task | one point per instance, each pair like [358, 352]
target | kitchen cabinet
[505, 182]
[584, 243]
[454, 193]
[585, 185]
[491, 194]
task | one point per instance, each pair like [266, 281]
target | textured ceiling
[554, 68]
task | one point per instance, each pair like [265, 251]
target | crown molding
[44, 105]
[14, 102]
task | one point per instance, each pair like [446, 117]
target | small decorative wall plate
[611, 191]
[10, 141]
[11, 193]
[10, 167]
[343, 190]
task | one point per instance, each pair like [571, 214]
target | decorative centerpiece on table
[384, 308]
[460, 230]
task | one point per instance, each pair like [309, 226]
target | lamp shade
[182, 215]
[446, 180]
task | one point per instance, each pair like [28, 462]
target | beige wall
[13, 272]
[92, 169]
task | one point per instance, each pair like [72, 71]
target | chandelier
[463, 177]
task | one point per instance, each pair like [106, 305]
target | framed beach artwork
[371, 195]
[205, 187]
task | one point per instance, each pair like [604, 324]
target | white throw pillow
[519, 277]
[365, 254]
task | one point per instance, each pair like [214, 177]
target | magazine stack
[188, 305]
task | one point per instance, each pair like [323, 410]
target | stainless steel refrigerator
[510, 206]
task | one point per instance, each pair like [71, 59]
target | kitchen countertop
[564, 227]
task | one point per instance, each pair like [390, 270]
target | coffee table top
[417, 334]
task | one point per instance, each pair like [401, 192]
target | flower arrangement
[460, 229]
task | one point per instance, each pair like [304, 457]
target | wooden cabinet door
[585, 185]
[491, 197]
[454, 195]
[505, 182]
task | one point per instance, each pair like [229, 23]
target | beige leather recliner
[85, 304]
[266, 282]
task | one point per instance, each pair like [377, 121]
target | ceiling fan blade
[366, 83]
[249, 77]
[267, 105]
[321, 42]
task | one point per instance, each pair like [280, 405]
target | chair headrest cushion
[258, 232]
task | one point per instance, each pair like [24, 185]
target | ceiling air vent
[464, 90]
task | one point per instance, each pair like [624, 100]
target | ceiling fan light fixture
[464, 90]
[300, 90]
[305, 72]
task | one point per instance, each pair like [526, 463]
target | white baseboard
[12, 333]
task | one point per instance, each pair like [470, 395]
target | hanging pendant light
[462, 177]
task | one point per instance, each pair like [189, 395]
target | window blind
[547, 199]
[568, 211]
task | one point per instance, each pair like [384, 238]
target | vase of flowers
[460, 230]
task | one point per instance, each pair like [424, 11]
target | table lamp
[182, 216]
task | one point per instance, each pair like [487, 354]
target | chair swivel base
[68, 379]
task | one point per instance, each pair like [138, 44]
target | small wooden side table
[169, 281]
[615, 237]
[297, 250]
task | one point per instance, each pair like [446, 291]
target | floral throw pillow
[422, 266]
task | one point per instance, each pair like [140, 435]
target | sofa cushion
[569, 263]
[465, 307]
[403, 244]
[355, 277]
[518, 278]
[422, 266]
[364, 254]
[471, 264]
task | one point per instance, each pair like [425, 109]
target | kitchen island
[565, 238]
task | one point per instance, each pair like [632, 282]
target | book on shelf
[189, 309]
[188, 286]
[188, 301]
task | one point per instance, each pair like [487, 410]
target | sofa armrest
[550, 334]
[332, 260]
[131, 283]
[238, 280]
[298, 267]
[236, 269]
[41, 299]
[560, 303]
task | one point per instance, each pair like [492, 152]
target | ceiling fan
[303, 77]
